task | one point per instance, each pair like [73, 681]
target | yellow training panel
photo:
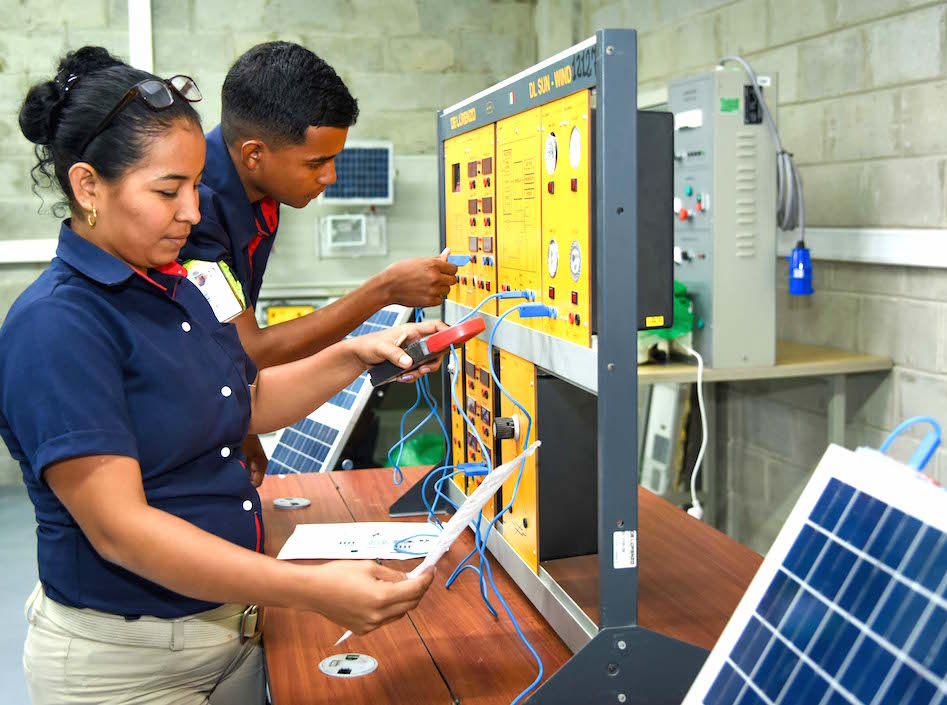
[519, 153]
[519, 525]
[278, 314]
[565, 217]
[470, 205]
[458, 434]
[455, 207]
[480, 396]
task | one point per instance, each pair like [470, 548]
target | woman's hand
[363, 595]
[375, 348]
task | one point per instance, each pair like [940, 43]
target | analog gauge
[552, 258]
[575, 148]
[575, 260]
[552, 153]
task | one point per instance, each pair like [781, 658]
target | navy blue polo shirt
[232, 229]
[96, 359]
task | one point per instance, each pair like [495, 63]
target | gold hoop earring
[91, 218]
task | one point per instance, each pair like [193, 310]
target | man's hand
[256, 459]
[421, 282]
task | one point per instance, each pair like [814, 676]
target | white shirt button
[225, 452]
[247, 505]
[226, 391]
[186, 327]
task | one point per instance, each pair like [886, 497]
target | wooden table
[451, 649]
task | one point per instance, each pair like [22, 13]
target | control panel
[519, 234]
[725, 216]
[470, 205]
[565, 196]
[480, 409]
[457, 424]
[520, 526]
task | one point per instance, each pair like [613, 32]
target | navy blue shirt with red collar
[232, 229]
[99, 359]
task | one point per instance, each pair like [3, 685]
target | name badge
[218, 285]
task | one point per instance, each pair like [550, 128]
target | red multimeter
[427, 350]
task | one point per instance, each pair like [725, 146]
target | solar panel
[364, 174]
[315, 443]
[850, 605]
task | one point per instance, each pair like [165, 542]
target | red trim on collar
[149, 279]
[172, 268]
[270, 209]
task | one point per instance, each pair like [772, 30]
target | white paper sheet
[470, 508]
[360, 540]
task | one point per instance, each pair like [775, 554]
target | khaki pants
[80, 657]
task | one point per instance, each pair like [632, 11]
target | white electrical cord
[697, 509]
[790, 206]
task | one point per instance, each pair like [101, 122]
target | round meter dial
[552, 258]
[575, 148]
[552, 153]
[575, 260]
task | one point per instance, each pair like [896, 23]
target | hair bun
[40, 110]
[85, 61]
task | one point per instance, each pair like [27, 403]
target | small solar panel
[315, 443]
[850, 605]
[364, 174]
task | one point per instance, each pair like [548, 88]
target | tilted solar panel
[850, 605]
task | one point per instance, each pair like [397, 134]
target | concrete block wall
[402, 59]
[863, 92]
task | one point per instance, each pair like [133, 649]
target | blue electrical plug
[800, 271]
[474, 469]
[459, 260]
[536, 311]
[517, 294]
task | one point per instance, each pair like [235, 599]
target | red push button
[486, 221]
[552, 292]
[571, 318]
[486, 181]
[473, 221]
[551, 187]
[575, 184]
[683, 215]
[473, 183]
[488, 286]
[700, 206]
[575, 298]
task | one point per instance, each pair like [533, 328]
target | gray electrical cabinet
[725, 214]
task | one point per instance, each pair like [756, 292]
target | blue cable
[422, 389]
[480, 543]
[484, 572]
[522, 636]
[517, 294]
[925, 449]
[398, 543]
[488, 460]
[398, 476]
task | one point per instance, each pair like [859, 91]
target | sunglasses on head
[157, 93]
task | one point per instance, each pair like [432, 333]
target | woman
[125, 402]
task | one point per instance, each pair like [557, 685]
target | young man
[285, 117]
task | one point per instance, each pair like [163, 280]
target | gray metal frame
[622, 662]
